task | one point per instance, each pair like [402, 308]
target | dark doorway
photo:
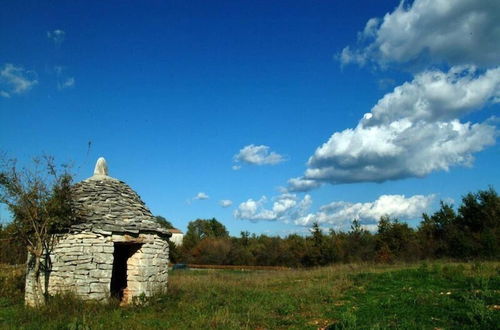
[123, 251]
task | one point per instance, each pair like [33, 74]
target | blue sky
[284, 112]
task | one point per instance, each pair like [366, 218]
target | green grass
[422, 296]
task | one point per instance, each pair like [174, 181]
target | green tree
[395, 240]
[199, 230]
[12, 248]
[212, 251]
[164, 222]
[39, 200]
[203, 228]
[479, 219]
[359, 244]
[434, 232]
[319, 253]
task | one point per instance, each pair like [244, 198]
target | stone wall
[82, 263]
[147, 269]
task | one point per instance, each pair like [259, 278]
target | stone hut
[115, 249]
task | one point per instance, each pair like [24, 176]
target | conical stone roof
[107, 205]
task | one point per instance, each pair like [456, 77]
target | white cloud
[301, 184]
[285, 207]
[410, 132]
[57, 36]
[451, 31]
[289, 208]
[257, 155]
[225, 203]
[253, 210]
[201, 196]
[416, 129]
[397, 151]
[436, 95]
[16, 80]
[67, 83]
[340, 214]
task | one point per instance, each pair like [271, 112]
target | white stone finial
[101, 168]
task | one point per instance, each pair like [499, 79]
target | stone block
[102, 232]
[133, 272]
[83, 259]
[86, 235]
[108, 249]
[98, 287]
[71, 255]
[150, 271]
[147, 256]
[82, 288]
[103, 258]
[86, 266]
[136, 286]
[105, 266]
[99, 273]
[96, 241]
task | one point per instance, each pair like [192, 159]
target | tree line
[471, 231]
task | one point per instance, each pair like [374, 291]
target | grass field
[421, 296]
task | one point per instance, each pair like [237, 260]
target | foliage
[39, 199]
[472, 232]
[12, 248]
[395, 240]
[164, 222]
[198, 231]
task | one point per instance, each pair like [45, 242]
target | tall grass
[427, 295]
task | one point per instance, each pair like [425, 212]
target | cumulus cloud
[436, 95]
[16, 80]
[410, 132]
[340, 214]
[416, 129]
[452, 31]
[225, 203]
[253, 210]
[257, 155]
[289, 208]
[201, 196]
[57, 36]
[285, 207]
[302, 184]
[397, 151]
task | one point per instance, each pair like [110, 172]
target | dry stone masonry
[116, 248]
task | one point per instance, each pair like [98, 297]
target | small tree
[39, 200]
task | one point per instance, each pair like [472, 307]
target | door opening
[121, 254]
